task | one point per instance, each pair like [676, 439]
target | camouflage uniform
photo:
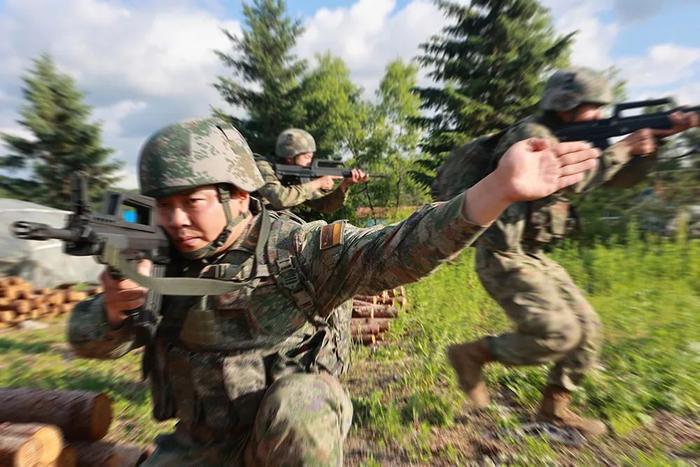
[251, 374]
[279, 196]
[554, 323]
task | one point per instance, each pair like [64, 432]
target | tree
[331, 109]
[266, 75]
[488, 67]
[398, 107]
[63, 142]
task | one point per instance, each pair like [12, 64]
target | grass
[408, 410]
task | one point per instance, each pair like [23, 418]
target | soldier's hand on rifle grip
[326, 182]
[680, 121]
[358, 176]
[123, 295]
[642, 142]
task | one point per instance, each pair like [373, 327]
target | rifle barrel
[38, 231]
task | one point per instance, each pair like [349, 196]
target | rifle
[126, 221]
[598, 131]
[318, 168]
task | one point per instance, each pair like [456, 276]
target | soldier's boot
[468, 359]
[555, 409]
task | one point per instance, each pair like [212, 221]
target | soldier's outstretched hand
[534, 168]
[529, 170]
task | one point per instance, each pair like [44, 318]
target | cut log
[369, 328]
[48, 437]
[95, 290]
[10, 292]
[17, 451]
[56, 298]
[67, 307]
[74, 296]
[15, 280]
[107, 454]
[81, 415]
[7, 315]
[22, 306]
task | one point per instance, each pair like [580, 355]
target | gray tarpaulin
[43, 263]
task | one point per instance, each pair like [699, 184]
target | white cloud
[594, 38]
[664, 64]
[369, 34]
[142, 65]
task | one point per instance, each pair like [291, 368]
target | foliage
[62, 141]
[647, 294]
[488, 66]
[331, 108]
[265, 74]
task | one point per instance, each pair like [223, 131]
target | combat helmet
[196, 153]
[566, 89]
[294, 141]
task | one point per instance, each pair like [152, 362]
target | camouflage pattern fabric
[228, 395]
[553, 321]
[569, 88]
[294, 141]
[196, 153]
[278, 196]
[313, 408]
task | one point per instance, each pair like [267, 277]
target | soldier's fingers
[144, 267]
[125, 305]
[569, 180]
[580, 167]
[571, 147]
[576, 157]
[125, 295]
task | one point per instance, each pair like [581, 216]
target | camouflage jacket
[527, 226]
[278, 196]
[264, 334]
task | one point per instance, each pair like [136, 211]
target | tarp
[42, 263]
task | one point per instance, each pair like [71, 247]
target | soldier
[297, 147]
[250, 371]
[554, 323]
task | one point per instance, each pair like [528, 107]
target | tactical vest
[214, 356]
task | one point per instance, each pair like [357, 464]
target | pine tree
[63, 142]
[488, 66]
[265, 74]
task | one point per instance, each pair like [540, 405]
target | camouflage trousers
[303, 419]
[554, 323]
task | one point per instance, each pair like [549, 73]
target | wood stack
[372, 315]
[20, 302]
[60, 429]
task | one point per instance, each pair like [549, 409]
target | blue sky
[145, 63]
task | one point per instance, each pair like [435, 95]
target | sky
[143, 64]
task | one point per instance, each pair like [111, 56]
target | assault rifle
[126, 222]
[318, 168]
[598, 131]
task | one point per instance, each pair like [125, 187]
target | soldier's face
[194, 218]
[587, 113]
[304, 159]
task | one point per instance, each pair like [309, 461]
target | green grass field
[408, 410]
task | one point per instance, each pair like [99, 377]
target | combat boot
[467, 360]
[555, 410]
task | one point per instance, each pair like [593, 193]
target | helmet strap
[231, 223]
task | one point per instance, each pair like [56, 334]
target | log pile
[372, 315]
[41, 428]
[20, 302]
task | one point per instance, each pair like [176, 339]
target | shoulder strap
[285, 267]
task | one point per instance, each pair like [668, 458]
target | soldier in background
[297, 147]
[554, 323]
[251, 372]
